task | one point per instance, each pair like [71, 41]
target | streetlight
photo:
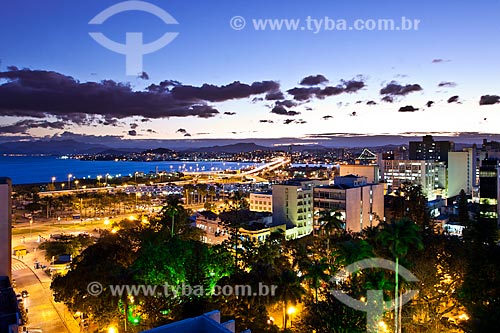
[137, 196]
[53, 180]
[290, 311]
[31, 224]
[99, 180]
[76, 183]
[69, 179]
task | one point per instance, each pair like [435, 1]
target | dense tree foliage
[458, 277]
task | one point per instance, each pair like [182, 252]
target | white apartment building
[293, 206]
[461, 172]
[429, 174]
[360, 203]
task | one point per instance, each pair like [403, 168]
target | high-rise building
[430, 175]
[10, 317]
[489, 188]
[428, 149]
[293, 206]
[461, 172]
[489, 149]
[359, 202]
[5, 227]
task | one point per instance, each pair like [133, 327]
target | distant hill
[232, 148]
[159, 151]
[54, 147]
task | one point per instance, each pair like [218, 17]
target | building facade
[371, 172]
[428, 149]
[461, 172]
[360, 203]
[293, 206]
[489, 188]
[261, 202]
[5, 227]
[430, 175]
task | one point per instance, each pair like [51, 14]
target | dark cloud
[134, 125]
[281, 110]
[213, 93]
[38, 94]
[286, 103]
[313, 80]
[144, 76]
[266, 121]
[229, 113]
[132, 132]
[371, 103]
[187, 134]
[396, 89]
[453, 99]
[149, 130]
[308, 108]
[304, 94]
[447, 84]
[22, 126]
[163, 86]
[181, 130]
[353, 114]
[387, 99]
[353, 86]
[301, 121]
[257, 99]
[145, 120]
[489, 100]
[408, 108]
[438, 61]
[275, 95]
[330, 91]
[358, 102]
[327, 117]
[288, 121]
[429, 103]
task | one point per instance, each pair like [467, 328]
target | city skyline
[213, 81]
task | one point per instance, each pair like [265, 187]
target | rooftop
[206, 323]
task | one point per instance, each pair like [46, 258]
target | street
[43, 312]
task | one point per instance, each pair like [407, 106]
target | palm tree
[331, 221]
[172, 208]
[211, 192]
[289, 290]
[399, 236]
[316, 273]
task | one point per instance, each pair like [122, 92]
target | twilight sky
[213, 81]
